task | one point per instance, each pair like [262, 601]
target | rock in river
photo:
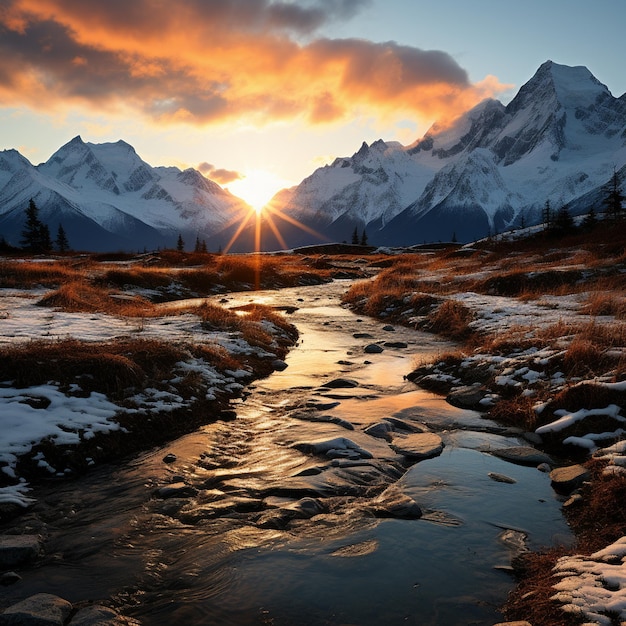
[418, 446]
[523, 455]
[373, 348]
[18, 549]
[566, 479]
[42, 609]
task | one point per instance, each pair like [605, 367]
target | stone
[373, 348]
[523, 455]
[279, 365]
[566, 479]
[169, 458]
[9, 578]
[100, 616]
[395, 344]
[394, 503]
[389, 328]
[466, 397]
[362, 336]
[341, 383]
[381, 430]
[501, 478]
[334, 448]
[18, 549]
[42, 609]
[517, 623]
[177, 490]
[418, 445]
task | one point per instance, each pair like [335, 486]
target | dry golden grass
[606, 303]
[451, 319]
[26, 275]
[83, 297]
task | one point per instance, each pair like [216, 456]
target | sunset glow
[254, 93]
[257, 188]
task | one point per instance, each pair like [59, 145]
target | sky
[257, 94]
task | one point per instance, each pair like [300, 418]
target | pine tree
[614, 199]
[590, 221]
[364, 238]
[454, 239]
[546, 216]
[203, 247]
[563, 221]
[61, 241]
[180, 244]
[355, 236]
[31, 235]
[45, 240]
[197, 246]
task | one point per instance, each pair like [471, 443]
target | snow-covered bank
[213, 365]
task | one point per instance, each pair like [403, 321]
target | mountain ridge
[559, 139]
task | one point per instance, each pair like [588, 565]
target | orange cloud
[211, 61]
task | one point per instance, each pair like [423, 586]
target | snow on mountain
[558, 139]
[124, 201]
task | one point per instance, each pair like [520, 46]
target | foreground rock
[566, 479]
[45, 609]
[18, 549]
[418, 446]
[523, 455]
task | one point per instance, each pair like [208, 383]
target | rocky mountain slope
[108, 198]
[559, 139]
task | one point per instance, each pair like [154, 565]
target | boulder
[18, 549]
[373, 348]
[418, 446]
[100, 616]
[566, 479]
[341, 383]
[466, 397]
[393, 503]
[523, 455]
[177, 490]
[42, 609]
[381, 430]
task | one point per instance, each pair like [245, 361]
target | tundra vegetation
[541, 329]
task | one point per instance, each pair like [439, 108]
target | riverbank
[544, 332]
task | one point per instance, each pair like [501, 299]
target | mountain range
[561, 139]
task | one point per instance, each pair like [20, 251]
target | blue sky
[258, 93]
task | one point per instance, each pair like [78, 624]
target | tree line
[36, 237]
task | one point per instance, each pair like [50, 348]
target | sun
[258, 187]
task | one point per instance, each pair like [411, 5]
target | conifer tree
[180, 244]
[61, 241]
[364, 238]
[31, 235]
[197, 246]
[590, 221]
[45, 240]
[614, 199]
[547, 214]
[355, 236]
[203, 247]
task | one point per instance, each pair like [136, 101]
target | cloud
[218, 174]
[216, 61]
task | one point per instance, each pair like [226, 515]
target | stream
[340, 494]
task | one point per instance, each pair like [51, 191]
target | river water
[287, 514]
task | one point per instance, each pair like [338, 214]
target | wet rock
[338, 447]
[331, 419]
[573, 500]
[382, 430]
[321, 406]
[399, 424]
[518, 623]
[437, 383]
[341, 383]
[42, 609]
[9, 578]
[177, 490]
[169, 458]
[501, 478]
[395, 344]
[18, 549]
[389, 328]
[418, 446]
[523, 455]
[373, 348]
[279, 365]
[514, 540]
[466, 397]
[100, 616]
[362, 336]
[394, 503]
[566, 479]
